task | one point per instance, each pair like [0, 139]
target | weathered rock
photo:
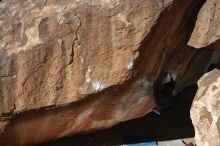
[65, 66]
[64, 51]
[96, 112]
[76, 66]
[207, 30]
[205, 110]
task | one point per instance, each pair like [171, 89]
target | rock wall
[205, 110]
[64, 66]
[76, 66]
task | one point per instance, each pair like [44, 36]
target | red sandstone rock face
[66, 51]
[76, 66]
[65, 66]
[96, 112]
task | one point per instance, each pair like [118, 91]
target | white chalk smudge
[130, 65]
[97, 86]
[82, 116]
[170, 76]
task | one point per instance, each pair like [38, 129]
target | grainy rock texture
[57, 52]
[207, 30]
[65, 66]
[76, 66]
[205, 110]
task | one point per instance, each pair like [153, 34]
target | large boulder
[76, 66]
[57, 52]
[67, 66]
[207, 31]
[205, 110]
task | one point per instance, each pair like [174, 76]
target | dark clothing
[164, 96]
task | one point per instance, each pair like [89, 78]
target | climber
[163, 99]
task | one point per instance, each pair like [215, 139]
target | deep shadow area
[174, 123]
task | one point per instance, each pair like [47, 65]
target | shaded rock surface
[158, 130]
[205, 110]
[68, 67]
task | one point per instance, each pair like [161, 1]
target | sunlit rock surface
[207, 30]
[66, 66]
[205, 110]
[76, 66]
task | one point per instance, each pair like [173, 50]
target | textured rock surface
[64, 51]
[98, 111]
[76, 66]
[207, 30]
[205, 110]
[65, 66]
